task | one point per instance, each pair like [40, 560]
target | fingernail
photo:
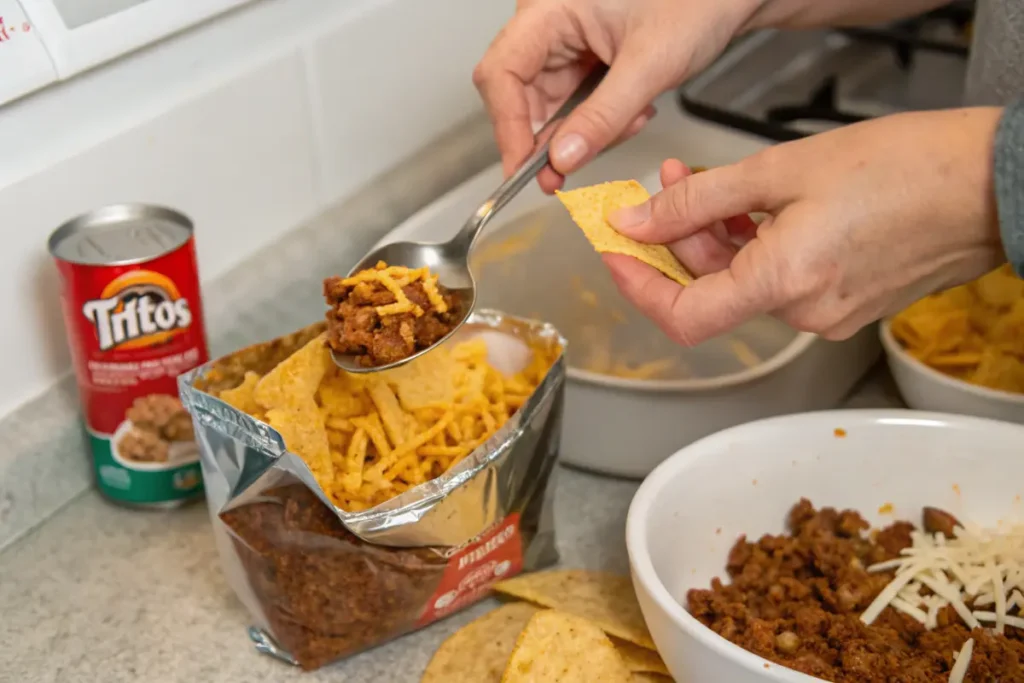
[569, 151]
[630, 216]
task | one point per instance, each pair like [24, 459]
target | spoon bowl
[450, 260]
[444, 259]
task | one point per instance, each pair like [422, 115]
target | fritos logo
[137, 309]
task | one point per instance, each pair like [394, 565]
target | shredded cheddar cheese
[976, 568]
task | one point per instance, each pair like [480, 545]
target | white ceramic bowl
[690, 510]
[927, 389]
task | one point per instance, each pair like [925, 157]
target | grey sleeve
[1009, 182]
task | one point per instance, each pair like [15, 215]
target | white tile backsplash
[237, 160]
[390, 79]
[275, 128]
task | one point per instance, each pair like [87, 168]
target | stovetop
[786, 85]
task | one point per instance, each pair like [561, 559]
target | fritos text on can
[134, 318]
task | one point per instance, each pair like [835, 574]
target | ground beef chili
[796, 600]
[355, 327]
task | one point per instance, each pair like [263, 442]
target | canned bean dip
[134, 318]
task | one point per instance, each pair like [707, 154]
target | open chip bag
[351, 509]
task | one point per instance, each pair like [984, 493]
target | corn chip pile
[974, 332]
[368, 438]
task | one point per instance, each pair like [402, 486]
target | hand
[549, 45]
[862, 221]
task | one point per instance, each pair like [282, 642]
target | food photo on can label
[574, 341]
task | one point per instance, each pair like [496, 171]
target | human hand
[549, 46]
[862, 221]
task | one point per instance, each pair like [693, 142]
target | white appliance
[43, 41]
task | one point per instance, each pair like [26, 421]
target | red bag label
[473, 569]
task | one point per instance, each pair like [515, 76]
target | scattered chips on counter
[974, 332]
[592, 615]
[606, 599]
[369, 438]
[590, 208]
[556, 646]
[479, 652]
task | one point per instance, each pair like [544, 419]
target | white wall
[250, 125]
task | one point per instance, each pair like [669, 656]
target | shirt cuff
[1009, 182]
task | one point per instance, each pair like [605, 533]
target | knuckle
[837, 334]
[682, 336]
[599, 119]
[805, 320]
[479, 76]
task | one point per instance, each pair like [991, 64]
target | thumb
[694, 202]
[602, 118]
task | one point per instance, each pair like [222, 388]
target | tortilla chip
[341, 393]
[590, 207]
[296, 379]
[640, 659]
[562, 648]
[425, 381]
[243, 396]
[607, 600]
[305, 435]
[639, 677]
[479, 651]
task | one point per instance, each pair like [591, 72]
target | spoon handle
[533, 165]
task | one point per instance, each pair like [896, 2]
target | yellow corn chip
[295, 380]
[302, 428]
[974, 332]
[644, 677]
[242, 397]
[639, 659]
[340, 393]
[479, 651]
[562, 648]
[607, 600]
[427, 380]
[590, 208]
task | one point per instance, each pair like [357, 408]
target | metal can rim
[129, 210]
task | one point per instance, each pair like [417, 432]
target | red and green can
[134, 319]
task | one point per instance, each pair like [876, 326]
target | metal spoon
[450, 260]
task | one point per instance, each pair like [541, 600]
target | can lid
[120, 235]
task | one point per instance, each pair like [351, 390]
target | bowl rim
[796, 347]
[642, 568]
[895, 350]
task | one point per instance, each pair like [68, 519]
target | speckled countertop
[101, 593]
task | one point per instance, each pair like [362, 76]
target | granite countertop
[103, 593]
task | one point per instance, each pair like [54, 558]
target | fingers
[550, 180]
[626, 91]
[703, 252]
[710, 306]
[672, 171]
[706, 251]
[513, 60]
[694, 202]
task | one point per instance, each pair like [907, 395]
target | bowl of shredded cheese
[840, 546]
